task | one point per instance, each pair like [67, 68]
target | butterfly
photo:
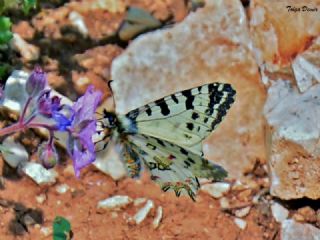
[165, 136]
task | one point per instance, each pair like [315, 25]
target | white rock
[13, 153]
[158, 218]
[294, 131]
[46, 231]
[295, 116]
[143, 212]
[242, 212]
[292, 230]
[28, 51]
[108, 161]
[15, 94]
[139, 201]
[76, 20]
[224, 203]
[41, 198]
[114, 203]
[62, 188]
[216, 190]
[242, 224]
[306, 67]
[39, 174]
[279, 212]
[191, 54]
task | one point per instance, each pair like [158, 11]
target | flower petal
[81, 159]
[86, 105]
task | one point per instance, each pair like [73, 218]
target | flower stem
[24, 110]
[12, 129]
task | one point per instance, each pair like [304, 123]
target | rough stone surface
[294, 140]
[39, 174]
[109, 162]
[242, 224]
[14, 153]
[291, 230]
[306, 67]
[216, 190]
[279, 34]
[157, 218]
[114, 203]
[279, 212]
[143, 212]
[242, 212]
[192, 53]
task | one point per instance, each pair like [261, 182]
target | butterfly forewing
[184, 118]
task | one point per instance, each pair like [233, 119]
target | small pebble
[216, 190]
[62, 188]
[114, 214]
[224, 203]
[41, 198]
[244, 195]
[242, 224]
[143, 212]
[238, 186]
[39, 174]
[242, 212]
[46, 231]
[114, 203]
[139, 201]
[308, 214]
[298, 217]
[158, 218]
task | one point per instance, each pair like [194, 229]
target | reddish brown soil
[183, 218]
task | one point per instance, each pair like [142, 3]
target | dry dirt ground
[182, 218]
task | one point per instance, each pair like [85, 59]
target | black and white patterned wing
[170, 165]
[184, 118]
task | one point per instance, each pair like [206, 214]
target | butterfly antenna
[110, 87]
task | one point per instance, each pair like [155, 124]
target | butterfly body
[166, 136]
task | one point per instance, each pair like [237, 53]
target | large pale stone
[210, 45]
[294, 135]
[291, 230]
[279, 34]
[306, 67]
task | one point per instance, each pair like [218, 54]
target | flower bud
[48, 155]
[36, 82]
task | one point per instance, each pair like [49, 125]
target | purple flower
[36, 82]
[47, 105]
[82, 128]
[79, 121]
[51, 107]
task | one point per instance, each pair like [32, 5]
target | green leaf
[28, 5]
[61, 229]
[5, 32]
[4, 70]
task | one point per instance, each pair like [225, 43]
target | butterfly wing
[184, 118]
[172, 166]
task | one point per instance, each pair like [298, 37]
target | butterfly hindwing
[172, 166]
[184, 118]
